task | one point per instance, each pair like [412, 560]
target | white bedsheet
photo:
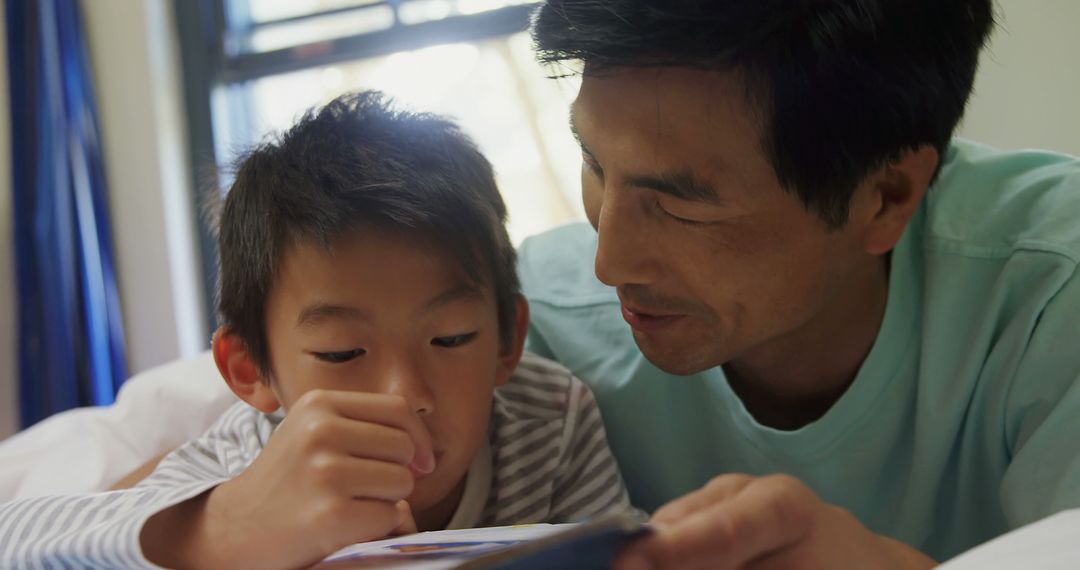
[89, 449]
[1050, 544]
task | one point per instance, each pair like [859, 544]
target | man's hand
[769, 523]
[334, 473]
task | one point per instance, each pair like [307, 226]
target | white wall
[1027, 92]
[135, 59]
[8, 367]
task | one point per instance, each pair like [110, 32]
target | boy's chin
[428, 493]
[433, 492]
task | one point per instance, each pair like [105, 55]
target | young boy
[373, 328]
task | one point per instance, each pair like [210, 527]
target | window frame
[211, 34]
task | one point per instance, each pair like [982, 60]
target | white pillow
[89, 449]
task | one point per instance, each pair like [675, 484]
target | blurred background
[176, 88]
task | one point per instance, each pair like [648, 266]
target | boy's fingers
[408, 523]
[367, 520]
[370, 479]
[375, 441]
[383, 409]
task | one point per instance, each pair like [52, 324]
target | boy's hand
[334, 473]
[737, 522]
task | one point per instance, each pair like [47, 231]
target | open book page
[510, 547]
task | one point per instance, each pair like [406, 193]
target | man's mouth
[647, 320]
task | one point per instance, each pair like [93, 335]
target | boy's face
[390, 314]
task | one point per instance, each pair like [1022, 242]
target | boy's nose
[408, 382]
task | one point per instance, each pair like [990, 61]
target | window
[253, 66]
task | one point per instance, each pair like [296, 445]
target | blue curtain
[71, 345]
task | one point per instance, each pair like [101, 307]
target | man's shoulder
[992, 203]
[556, 268]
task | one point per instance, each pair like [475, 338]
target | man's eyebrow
[577, 135]
[682, 185]
[461, 291]
[318, 312]
[573, 124]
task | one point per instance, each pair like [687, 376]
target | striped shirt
[546, 460]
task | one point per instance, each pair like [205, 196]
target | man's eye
[679, 219]
[591, 164]
[453, 340]
[339, 357]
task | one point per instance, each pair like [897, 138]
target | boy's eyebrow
[312, 314]
[455, 293]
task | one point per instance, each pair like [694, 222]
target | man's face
[712, 259]
[382, 313]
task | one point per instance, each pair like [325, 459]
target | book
[589, 545]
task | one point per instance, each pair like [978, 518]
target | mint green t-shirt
[962, 423]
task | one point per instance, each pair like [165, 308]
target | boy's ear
[240, 372]
[510, 352]
[892, 196]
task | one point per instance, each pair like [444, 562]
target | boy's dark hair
[359, 163]
[841, 87]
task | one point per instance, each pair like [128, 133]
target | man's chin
[671, 357]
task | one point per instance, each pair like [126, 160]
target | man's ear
[240, 372]
[888, 198]
[511, 350]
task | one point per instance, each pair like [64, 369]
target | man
[877, 325]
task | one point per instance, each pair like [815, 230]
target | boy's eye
[339, 357]
[453, 340]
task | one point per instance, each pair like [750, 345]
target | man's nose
[624, 247]
[405, 379]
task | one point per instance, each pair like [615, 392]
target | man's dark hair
[841, 87]
[356, 163]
